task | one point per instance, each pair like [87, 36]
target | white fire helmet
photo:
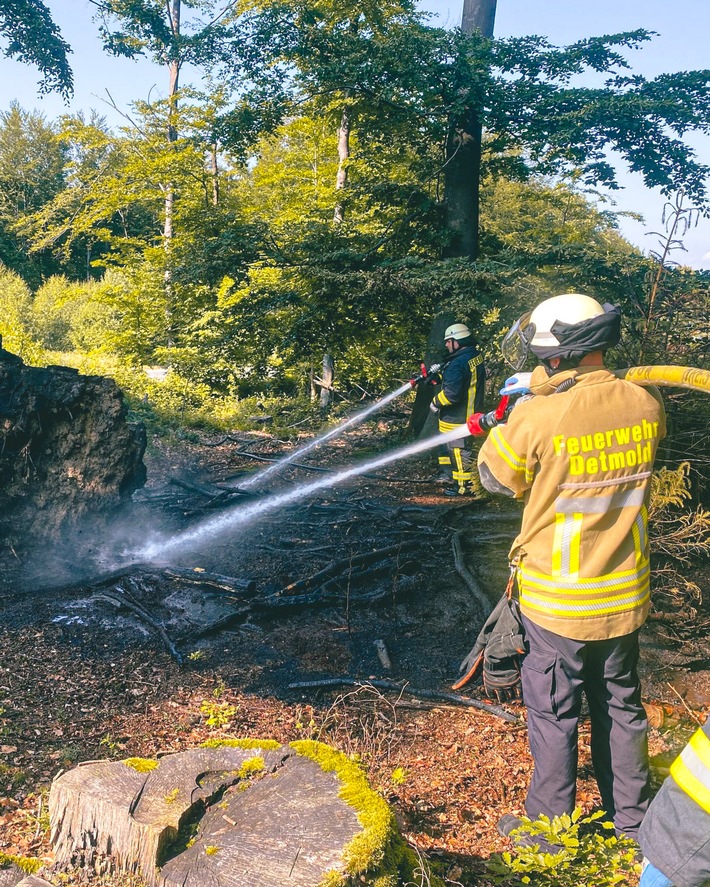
[562, 325]
[457, 331]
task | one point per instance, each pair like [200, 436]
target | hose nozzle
[480, 423]
[426, 375]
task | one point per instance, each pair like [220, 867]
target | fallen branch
[274, 606]
[417, 693]
[214, 580]
[196, 488]
[467, 576]
[119, 599]
[346, 564]
[351, 578]
[222, 440]
[320, 599]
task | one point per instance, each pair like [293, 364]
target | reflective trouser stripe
[460, 464]
[691, 770]
[459, 473]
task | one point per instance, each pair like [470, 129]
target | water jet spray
[685, 377]
[328, 435]
[242, 514]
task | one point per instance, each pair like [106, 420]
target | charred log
[67, 452]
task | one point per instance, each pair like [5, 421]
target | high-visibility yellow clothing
[581, 459]
[463, 382]
[675, 834]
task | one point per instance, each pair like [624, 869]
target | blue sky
[682, 44]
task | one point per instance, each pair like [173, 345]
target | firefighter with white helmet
[579, 452]
[462, 389]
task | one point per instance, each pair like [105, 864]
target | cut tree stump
[109, 813]
[14, 876]
[290, 829]
[11, 875]
[259, 817]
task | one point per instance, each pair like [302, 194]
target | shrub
[586, 857]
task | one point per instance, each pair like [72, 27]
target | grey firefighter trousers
[555, 673]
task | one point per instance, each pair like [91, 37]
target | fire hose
[690, 378]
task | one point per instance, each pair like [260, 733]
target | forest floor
[76, 686]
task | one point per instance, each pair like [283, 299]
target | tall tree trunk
[462, 198]
[341, 179]
[461, 186]
[422, 421]
[463, 153]
[326, 391]
[478, 15]
[174, 9]
[215, 176]
[461, 195]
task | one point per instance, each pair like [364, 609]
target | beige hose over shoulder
[668, 376]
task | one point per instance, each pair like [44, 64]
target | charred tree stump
[66, 450]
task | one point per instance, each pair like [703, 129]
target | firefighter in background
[462, 390]
[675, 835]
[579, 452]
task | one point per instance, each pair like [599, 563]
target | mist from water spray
[328, 435]
[242, 514]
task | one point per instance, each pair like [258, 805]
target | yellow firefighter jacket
[581, 460]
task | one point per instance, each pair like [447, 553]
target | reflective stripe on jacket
[581, 459]
[463, 383]
[675, 834]
[691, 770]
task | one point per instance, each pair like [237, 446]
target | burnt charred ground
[85, 672]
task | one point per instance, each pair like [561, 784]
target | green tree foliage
[105, 210]
[257, 280]
[15, 306]
[51, 313]
[132, 28]
[31, 175]
[33, 37]
[405, 80]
